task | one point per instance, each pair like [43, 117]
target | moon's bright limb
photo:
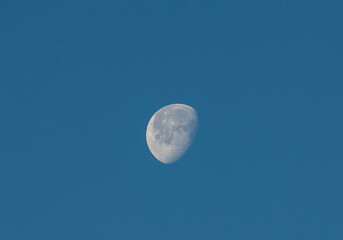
[170, 132]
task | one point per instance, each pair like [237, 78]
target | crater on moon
[170, 132]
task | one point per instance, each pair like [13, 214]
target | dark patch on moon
[163, 124]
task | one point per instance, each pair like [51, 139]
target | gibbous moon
[170, 132]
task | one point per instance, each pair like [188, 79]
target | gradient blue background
[79, 81]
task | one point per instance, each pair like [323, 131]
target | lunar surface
[170, 132]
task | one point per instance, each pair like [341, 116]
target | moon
[171, 131]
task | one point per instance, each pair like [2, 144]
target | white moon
[170, 132]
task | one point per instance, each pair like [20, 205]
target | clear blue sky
[79, 81]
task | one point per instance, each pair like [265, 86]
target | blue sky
[79, 81]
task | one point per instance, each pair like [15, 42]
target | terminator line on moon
[170, 132]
